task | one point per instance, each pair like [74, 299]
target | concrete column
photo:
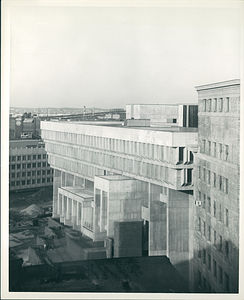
[63, 209]
[78, 216]
[67, 220]
[74, 211]
[59, 204]
[56, 185]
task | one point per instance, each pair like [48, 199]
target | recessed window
[28, 166]
[13, 167]
[33, 181]
[39, 165]
[18, 166]
[13, 158]
[220, 104]
[220, 151]
[209, 205]
[204, 104]
[38, 173]
[24, 157]
[34, 156]
[204, 256]
[214, 149]
[226, 152]
[227, 102]
[23, 174]
[215, 104]
[214, 180]
[215, 238]
[226, 185]
[214, 268]
[214, 208]
[18, 157]
[44, 164]
[23, 182]
[13, 175]
[29, 157]
[39, 156]
[227, 217]
[28, 174]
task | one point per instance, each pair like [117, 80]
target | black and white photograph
[121, 149]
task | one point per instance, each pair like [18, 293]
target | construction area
[43, 256]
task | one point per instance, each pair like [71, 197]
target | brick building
[28, 165]
[217, 184]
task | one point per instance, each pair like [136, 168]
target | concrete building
[217, 185]
[28, 165]
[164, 115]
[129, 186]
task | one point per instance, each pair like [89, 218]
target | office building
[28, 165]
[217, 184]
[130, 186]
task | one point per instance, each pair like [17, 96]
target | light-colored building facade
[28, 165]
[164, 115]
[107, 177]
[217, 184]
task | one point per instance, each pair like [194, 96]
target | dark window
[214, 180]
[199, 172]
[38, 173]
[23, 182]
[220, 151]
[174, 120]
[39, 165]
[13, 158]
[215, 104]
[44, 164]
[13, 183]
[44, 156]
[204, 201]
[220, 275]
[204, 256]
[220, 212]
[18, 166]
[24, 157]
[18, 174]
[214, 268]
[38, 180]
[13, 175]
[199, 224]
[43, 180]
[214, 208]
[226, 152]
[204, 174]
[191, 156]
[209, 147]
[43, 172]
[209, 177]
[204, 104]
[226, 217]
[33, 181]
[209, 205]
[220, 183]
[209, 233]
[23, 166]
[220, 243]
[48, 171]
[48, 179]
[28, 173]
[226, 185]
[28, 166]
[13, 167]
[214, 149]
[18, 183]
[189, 176]
[33, 165]
[18, 157]
[221, 104]
[181, 154]
[28, 182]
[23, 174]
[39, 156]
[204, 228]
[209, 262]
[227, 103]
[215, 238]
[34, 156]
[227, 249]
[29, 157]
[33, 173]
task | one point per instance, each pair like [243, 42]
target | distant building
[28, 165]
[164, 115]
[217, 185]
[26, 126]
[131, 186]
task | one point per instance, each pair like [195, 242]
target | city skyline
[112, 56]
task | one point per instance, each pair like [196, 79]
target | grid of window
[210, 105]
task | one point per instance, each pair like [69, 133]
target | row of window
[217, 210]
[216, 104]
[27, 157]
[219, 150]
[221, 277]
[29, 181]
[31, 173]
[206, 230]
[28, 166]
[218, 181]
[159, 152]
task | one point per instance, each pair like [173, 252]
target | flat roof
[21, 143]
[218, 84]
[79, 191]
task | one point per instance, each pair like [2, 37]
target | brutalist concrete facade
[217, 184]
[106, 174]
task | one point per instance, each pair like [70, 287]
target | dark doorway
[145, 234]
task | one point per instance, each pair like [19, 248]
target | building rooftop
[218, 84]
[21, 143]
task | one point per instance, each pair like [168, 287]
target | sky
[107, 57]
